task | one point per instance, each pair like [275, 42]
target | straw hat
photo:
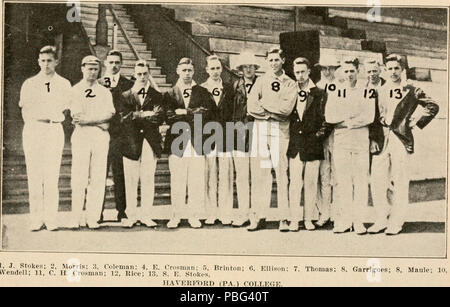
[246, 58]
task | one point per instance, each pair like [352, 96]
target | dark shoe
[121, 215]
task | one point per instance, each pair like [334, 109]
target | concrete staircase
[89, 16]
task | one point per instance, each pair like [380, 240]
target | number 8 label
[276, 86]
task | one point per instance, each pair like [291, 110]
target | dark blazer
[239, 112]
[123, 85]
[201, 102]
[135, 130]
[223, 112]
[307, 135]
[376, 133]
[402, 115]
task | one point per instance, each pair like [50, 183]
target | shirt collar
[212, 84]
[136, 87]
[114, 76]
[310, 85]
[402, 84]
[180, 84]
[281, 77]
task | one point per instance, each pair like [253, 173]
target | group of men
[325, 139]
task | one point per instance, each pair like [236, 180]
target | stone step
[87, 5]
[134, 33]
[92, 24]
[394, 48]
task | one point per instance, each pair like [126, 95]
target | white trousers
[143, 170]
[270, 141]
[326, 170]
[187, 173]
[219, 186]
[303, 175]
[351, 186]
[391, 165]
[89, 157]
[43, 146]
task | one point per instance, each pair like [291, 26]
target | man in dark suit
[141, 115]
[117, 84]
[402, 108]
[373, 85]
[219, 181]
[308, 131]
[188, 109]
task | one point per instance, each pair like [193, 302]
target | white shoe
[254, 224]
[210, 221]
[359, 229]
[309, 225]
[293, 226]
[341, 228]
[239, 222]
[195, 223]
[127, 223]
[225, 221]
[173, 223]
[36, 226]
[93, 225]
[149, 223]
[322, 221]
[393, 230]
[51, 227]
[377, 227]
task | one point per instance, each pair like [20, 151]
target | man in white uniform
[91, 108]
[329, 83]
[43, 98]
[351, 112]
[270, 102]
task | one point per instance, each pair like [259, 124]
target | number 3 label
[276, 86]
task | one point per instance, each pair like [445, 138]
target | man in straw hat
[247, 66]
[329, 83]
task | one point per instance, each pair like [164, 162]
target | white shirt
[114, 79]
[352, 112]
[93, 101]
[387, 103]
[301, 101]
[44, 98]
[138, 89]
[186, 91]
[215, 88]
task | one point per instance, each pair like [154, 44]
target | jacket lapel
[309, 100]
[148, 97]
[179, 97]
[402, 107]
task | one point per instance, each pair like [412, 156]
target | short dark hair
[49, 50]
[301, 60]
[395, 58]
[352, 60]
[116, 53]
[185, 61]
[278, 51]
